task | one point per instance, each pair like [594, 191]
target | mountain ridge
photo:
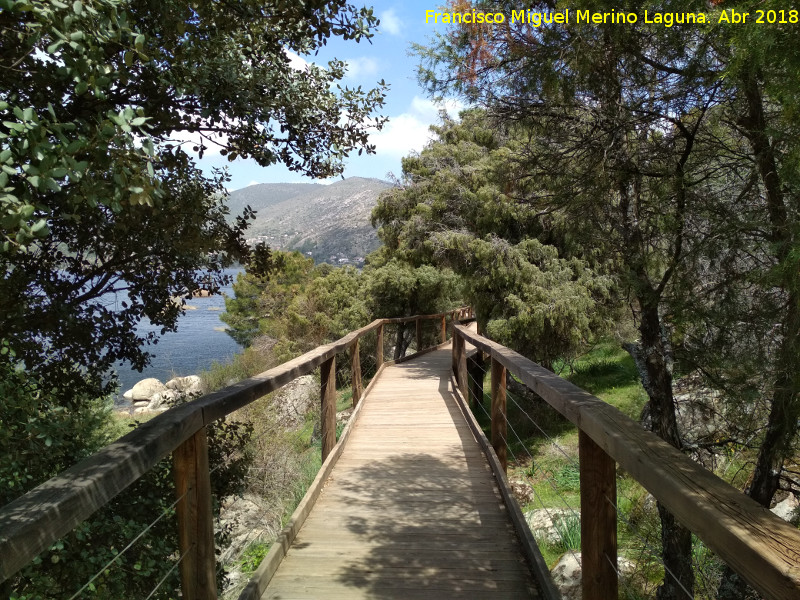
[330, 223]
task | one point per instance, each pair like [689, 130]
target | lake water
[199, 341]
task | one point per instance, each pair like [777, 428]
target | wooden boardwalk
[411, 509]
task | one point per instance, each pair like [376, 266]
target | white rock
[541, 523]
[160, 400]
[295, 399]
[190, 385]
[567, 576]
[787, 509]
[128, 394]
[146, 389]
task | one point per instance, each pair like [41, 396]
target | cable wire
[130, 544]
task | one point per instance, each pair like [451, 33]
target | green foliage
[396, 288]
[72, 561]
[39, 438]
[568, 528]
[98, 191]
[300, 306]
[458, 209]
[252, 556]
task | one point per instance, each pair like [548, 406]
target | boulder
[522, 491]
[295, 399]
[189, 385]
[788, 509]
[541, 523]
[145, 389]
[567, 574]
[161, 401]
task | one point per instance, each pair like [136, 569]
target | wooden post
[418, 323]
[379, 350]
[355, 372]
[328, 394]
[195, 519]
[444, 329]
[499, 415]
[598, 520]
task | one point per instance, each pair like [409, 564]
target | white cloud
[193, 139]
[410, 131]
[390, 22]
[363, 66]
[296, 61]
[430, 109]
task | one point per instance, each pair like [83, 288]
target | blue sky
[409, 110]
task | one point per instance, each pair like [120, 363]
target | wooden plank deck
[411, 509]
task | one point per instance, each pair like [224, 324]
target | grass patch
[608, 372]
[243, 365]
[252, 556]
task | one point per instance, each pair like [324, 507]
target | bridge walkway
[411, 509]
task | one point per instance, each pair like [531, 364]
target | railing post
[328, 394]
[444, 329]
[379, 349]
[598, 520]
[418, 323]
[499, 420]
[195, 518]
[355, 372]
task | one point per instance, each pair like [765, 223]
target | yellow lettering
[517, 15]
[584, 14]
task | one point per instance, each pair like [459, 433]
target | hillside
[327, 222]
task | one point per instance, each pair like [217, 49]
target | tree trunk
[654, 362]
[400, 344]
[785, 405]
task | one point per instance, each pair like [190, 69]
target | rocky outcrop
[144, 390]
[788, 509]
[522, 491]
[189, 385]
[150, 395]
[567, 574]
[295, 399]
[543, 523]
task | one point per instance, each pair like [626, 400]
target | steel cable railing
[567, 543]
[638, 531]
[169, 510]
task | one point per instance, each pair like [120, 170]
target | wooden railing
[761, 547]
[30, 524]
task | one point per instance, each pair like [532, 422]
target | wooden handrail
[763, 548]
[31, 523]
